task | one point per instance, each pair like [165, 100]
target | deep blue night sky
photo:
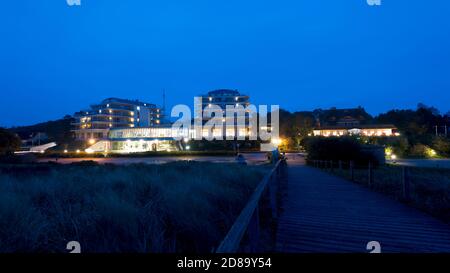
[301, 54]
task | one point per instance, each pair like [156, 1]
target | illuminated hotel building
[95, 123]
[223, 98]
[134, 140]
[124, 126]
[373, 130]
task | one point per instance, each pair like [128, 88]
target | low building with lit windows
[94, 123]
[146, 139]
[370, 130]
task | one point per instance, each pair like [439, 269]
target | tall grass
[175, 207]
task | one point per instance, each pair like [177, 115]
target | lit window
[110, 111]
[107, 105]
[138, 108]
[236, 98]
[210, 99]
[100, 111]
[110, 125]
[132, 113]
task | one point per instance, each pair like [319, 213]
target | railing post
[405, 183]
[253, 231]
[370, 178]
[352, 175]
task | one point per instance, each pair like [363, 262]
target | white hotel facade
[124, 126]
[95, 122]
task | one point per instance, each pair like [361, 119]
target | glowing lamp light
[276, 141]
[65, 151]
[393, 157]
[78, 151]
[91, 141]
[430, 152]
[188, 147]
[388, 151]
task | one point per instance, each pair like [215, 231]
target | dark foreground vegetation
[175, 207]
[344, 149]
[428, 190]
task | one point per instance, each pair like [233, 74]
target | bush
[9, 142]
[339, 148]
[422, 151]
[441, 145]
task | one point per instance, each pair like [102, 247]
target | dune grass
[174, 207]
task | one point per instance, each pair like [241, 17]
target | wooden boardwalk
[326, 214]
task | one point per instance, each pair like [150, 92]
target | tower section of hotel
[94, 123]
[222, 98]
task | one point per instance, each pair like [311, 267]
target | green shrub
[441, 145]
[338, 148]
[9, 142]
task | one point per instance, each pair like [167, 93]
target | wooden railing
[248, 220]
[330, 165]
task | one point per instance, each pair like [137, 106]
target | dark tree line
[421, 129]
[9, 142]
